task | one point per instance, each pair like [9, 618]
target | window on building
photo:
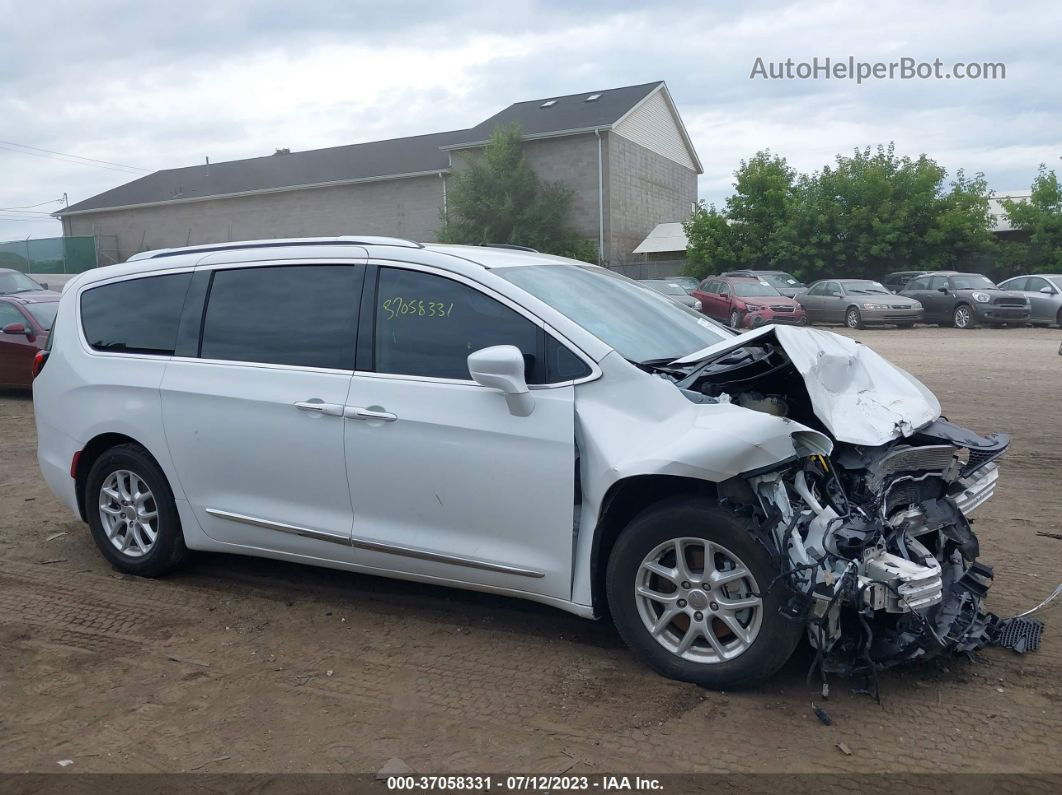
[136, 315]
[299, 315]
[427, 325]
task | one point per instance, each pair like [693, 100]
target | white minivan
[521, 424]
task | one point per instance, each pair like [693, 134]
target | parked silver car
[673, 290]
[858, 303]
[1044, 291]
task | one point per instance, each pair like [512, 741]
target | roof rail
[345, 240]
[512, 246]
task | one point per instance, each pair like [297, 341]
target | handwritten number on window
[418, 307]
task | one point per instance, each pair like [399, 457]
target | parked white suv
[522, 424]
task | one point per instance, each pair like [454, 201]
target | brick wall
[644, 189]
[398, 207]
[571, 160]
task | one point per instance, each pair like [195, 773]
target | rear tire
[132, 513]
[1058, 319]
[766, 640]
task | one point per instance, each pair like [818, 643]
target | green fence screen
[49, 255]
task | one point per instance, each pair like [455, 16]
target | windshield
[639, 323]
[781, 279]
[12, 282]
[971, 281]
[44, 313]
[865, 288]
[753, 288]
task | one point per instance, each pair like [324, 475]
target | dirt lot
[245, 665]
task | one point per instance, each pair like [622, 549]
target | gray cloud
[163, 85]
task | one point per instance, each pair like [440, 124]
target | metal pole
[600, 204]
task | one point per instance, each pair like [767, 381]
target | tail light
[38, 362]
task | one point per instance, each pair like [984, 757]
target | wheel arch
[91, 453]
[624, 500]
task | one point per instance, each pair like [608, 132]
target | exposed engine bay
[873, 541]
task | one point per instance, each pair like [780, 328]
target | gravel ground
[239, 665]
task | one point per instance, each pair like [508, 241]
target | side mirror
[17, 328]
[942, 290]
[44, 285]
[1047, 291]
[502, 367]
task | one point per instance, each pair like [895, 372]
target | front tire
[735, 319]
[687, 586]
[853, 319]
[964, 317]
[132, 513]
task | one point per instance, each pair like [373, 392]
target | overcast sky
[160, 85]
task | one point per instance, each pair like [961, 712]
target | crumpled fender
[629, 424]
[860, 396]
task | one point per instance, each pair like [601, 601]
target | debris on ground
[394, 767]
[844, 749]
[186, 661]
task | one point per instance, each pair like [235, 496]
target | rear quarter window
[136, 315]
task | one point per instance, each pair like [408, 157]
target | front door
[447, 483]
[254, 417]
[936, 301]
[1043, 306]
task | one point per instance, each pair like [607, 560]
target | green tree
[863, 215]
[498, 198]
[874, 212]
[749, 232]
[1041, 218]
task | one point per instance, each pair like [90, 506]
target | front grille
[970, 492]
[1009, 302]
[929, 458]
[783, 308]
[901, 306]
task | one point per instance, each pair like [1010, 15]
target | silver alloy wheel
[735, 319]
[698, 600]
[962, 316]
[129, 513]
[852, 318]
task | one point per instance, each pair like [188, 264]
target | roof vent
[593, 98]
[549, 103]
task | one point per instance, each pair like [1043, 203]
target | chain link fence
[49, 255]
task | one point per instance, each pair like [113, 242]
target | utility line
[31, 206]
[76, 157]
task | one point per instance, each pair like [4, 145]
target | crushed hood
[858, 395]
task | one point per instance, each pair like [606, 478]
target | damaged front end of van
[869, 521]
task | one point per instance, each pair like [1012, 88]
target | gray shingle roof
[570, 112]
[373, 160]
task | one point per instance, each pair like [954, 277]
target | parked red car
[747, 303]
[25, 322]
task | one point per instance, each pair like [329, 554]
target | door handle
[320, 407]
[356, 413]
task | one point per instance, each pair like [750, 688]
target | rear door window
[136, 315]
[297, 315]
